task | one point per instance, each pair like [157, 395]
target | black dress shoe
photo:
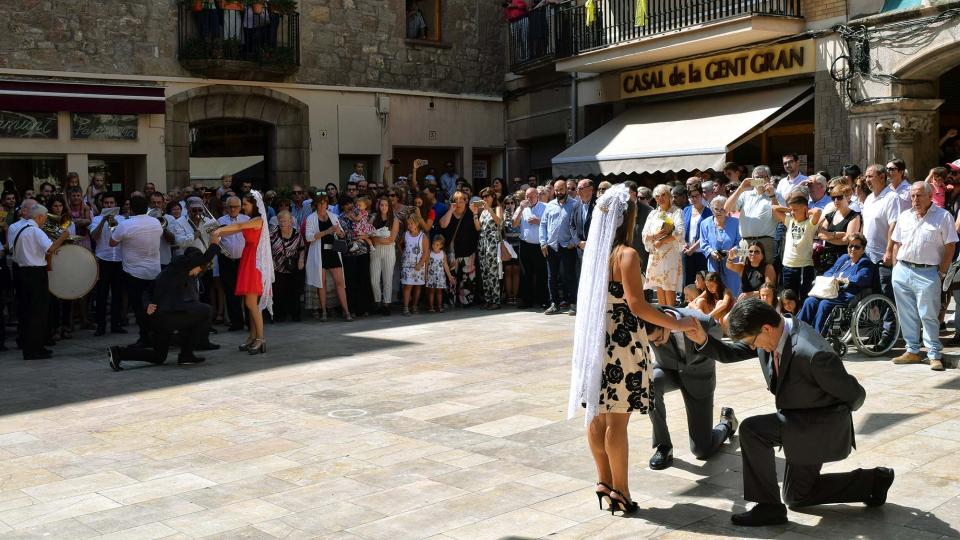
[761, 514]
[882, 480]
[38, 356]
[118, 330]
[207, 347]
[662, 458]
[726, 413]
[113, 356]
[45, 351]
[99, 332]
[189, 360]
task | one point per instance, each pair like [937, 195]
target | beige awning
[206, 168]
[687, 134]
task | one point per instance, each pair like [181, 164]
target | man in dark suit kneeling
[813, 423]
[173, 306]
[678, 364]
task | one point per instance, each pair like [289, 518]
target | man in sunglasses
[814, 396]
[299, 210]
[897, 173]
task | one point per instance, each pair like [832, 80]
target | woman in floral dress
[488, 250]
[663, 238]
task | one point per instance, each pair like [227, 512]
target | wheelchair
[869, 321]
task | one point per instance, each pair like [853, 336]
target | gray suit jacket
[697, 370]
[814, 394]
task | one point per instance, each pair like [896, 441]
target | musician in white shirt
[110, 266]
[30, 248]
[139, 239]
[158, 205]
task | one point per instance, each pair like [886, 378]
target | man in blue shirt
[533, 266]
[558, 243]
[448, 181]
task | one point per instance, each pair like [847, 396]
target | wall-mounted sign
[26, 125]
[736, 67]
[103, 127]
[479, 169]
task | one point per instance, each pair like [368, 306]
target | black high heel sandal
[246, 346]
[259, 346]
[620, 503]
[602, 494]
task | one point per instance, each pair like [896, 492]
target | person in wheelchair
[854, 271]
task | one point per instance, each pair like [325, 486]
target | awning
[680, 135]
[43, 96]
[206, 168]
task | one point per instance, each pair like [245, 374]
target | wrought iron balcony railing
[557, 31]
[225, 40]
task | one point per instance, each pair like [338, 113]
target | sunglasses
[836, 197]
[753, 252]
[298, 192]
[891, 169]
[854, 246]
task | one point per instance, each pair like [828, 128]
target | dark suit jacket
[697, 371]
[581, 219]
[643, 211]
[174, 288]
[814, 393]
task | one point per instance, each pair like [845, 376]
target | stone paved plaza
[443, 426]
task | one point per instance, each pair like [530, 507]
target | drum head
[73, 272]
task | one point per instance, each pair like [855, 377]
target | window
[423, 19]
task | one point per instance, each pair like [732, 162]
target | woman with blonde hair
[663, 236]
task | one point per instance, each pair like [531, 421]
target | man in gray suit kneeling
[678, 364]
[813, 423]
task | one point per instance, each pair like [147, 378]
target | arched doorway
[230, 122]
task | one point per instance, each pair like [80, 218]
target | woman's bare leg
[596, 435]
[617, 445]
[341, 290]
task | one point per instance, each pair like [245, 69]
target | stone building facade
[355, 61]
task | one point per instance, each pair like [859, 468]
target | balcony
[671, 29]
[239, 40]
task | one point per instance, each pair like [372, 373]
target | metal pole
[573, 108]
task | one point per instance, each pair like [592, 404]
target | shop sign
[27, 125]
[757, 64]
[479, 169]
[104, 127]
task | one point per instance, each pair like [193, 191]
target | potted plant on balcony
[231, 5]
[283, 7]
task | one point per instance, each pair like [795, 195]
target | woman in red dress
[255, 274]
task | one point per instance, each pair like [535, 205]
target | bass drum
[73, 272]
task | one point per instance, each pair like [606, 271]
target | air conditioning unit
[383, 104]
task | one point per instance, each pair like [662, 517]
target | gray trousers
[803, 485]
[705, 438]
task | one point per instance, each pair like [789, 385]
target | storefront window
[29, 172]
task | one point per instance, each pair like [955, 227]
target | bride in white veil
[612, 367]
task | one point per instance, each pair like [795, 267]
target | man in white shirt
[793, 178]
[879, 216]
[897, 172]
[111, 268]
[139, 239]
[755, 205]
[231, 247]
[533, 265]
[30, 248]
[168, 239]
[23, 219]
[924, 240]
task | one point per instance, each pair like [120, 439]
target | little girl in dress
[438, 271]
[414, 266]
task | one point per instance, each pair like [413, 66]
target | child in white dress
[414, 267]
[438, 272]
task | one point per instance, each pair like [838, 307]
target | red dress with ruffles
[248, 276]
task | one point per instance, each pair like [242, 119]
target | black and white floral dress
[627, 368]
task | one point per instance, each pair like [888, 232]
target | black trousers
[135, 289]
[803, 485]
[33, 297]
[228, 277]
[562, 264]
[356, 274]
[287, 289]
[705, 438]
[191, 323]
[533, 274]
[110, 282]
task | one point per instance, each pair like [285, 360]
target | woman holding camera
[462, 236]
[487, 221]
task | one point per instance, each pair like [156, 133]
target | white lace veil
[590, 330]
[264, 257]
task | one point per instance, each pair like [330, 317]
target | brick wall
[343, 42]
[817, 10]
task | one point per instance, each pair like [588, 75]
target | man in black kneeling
[175, 306]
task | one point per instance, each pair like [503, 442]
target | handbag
[340, 245]
[507, 252]
[827, 288]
